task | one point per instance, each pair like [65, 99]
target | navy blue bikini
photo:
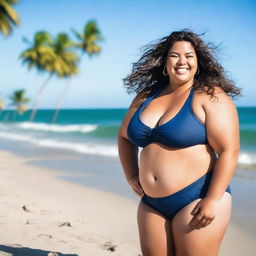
[183, 130]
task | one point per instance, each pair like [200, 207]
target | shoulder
[218, 99]
[221, 120]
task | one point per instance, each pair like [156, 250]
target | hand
[135, 184]
[204, 213]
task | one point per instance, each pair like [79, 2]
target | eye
[175, 56]
[190, 56]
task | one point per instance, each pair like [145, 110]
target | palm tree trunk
[57, 110]
[38, 96]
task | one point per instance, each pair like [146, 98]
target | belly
[164, 171]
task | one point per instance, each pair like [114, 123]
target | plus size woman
[187, 125]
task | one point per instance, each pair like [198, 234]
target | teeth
[181, 71]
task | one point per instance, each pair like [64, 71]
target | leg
[155, 232]
[204, 241]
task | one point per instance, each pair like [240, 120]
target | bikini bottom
[171, 204]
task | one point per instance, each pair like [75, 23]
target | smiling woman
[190, 146]
[181, 61]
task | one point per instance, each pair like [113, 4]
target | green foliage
[65, 63]
[8, 16]
[57, 56]
[88, 40]
[53, 56]
[19, 100]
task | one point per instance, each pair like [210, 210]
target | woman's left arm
[222, 128]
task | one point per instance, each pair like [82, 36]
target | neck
[179, 88]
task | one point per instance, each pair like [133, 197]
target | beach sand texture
[41, 213]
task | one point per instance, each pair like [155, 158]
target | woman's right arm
[128, 153]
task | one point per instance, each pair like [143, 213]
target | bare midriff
[164, 170]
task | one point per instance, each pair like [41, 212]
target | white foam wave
[84, 128]
[247, 158]
[85, 148]
[244, 158]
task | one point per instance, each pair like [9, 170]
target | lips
[181, 71]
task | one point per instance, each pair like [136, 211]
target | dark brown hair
[148, 71]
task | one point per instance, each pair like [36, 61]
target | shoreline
[96, 224]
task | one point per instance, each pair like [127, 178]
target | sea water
[94, 131]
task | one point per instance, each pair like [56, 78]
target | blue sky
[126, 26]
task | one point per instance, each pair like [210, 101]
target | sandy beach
[41, 213]
[60, 216]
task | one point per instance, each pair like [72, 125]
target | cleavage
[161, 114]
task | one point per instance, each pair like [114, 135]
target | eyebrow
[178, 53]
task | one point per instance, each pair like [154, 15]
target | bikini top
[183, 130]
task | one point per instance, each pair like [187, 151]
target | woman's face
[181, 62]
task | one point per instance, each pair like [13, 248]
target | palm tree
[41, 56]
[19, 100]
[87, 43]
[65, 63]
[51, 56]
[63, 46]
[8, 16]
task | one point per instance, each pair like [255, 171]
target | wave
[84, 128]
[245, 159]
[85, 148]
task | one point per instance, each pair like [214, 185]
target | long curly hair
[147, 73]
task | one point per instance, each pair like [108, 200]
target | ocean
[94, 131]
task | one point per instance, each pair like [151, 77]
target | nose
[181, 61]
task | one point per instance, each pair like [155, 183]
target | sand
[99, 221]
[41, 213]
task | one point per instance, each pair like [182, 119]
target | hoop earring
[165, 73]
[198, 70]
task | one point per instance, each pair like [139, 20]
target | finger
[207, 222]
[139, 187]
[196, 209]
[137, 191]
[196, 219]
[202, 222]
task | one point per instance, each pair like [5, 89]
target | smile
[181, 70]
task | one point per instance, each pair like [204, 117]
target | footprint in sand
[109, 246]
[65, 224]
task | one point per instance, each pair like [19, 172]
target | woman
[188, 128]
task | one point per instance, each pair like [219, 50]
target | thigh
[155, 232]
[204, 241]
